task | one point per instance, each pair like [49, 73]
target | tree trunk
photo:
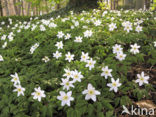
[22, 8]
[28, 10]
[6, 7]
[19, 8]
[140, 4]
[46, 5]
[15, 7]
[1, 9]
[82, 3]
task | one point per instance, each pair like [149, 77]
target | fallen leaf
[146, 104]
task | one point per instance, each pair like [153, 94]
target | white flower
[88, 33]
[46, 59]
[33, 27]
[78, 39]
[42, 28]
[67, 36]
[65, 98]
[114, 85]
[155, 44]
[68, 73]
[66, 83]
[72, 27]
[76, 23]
[10, 36]
[84, 57]
[3, 37]
[90, 93]
[38, 94]
[127, 26]
[112, 26]
[1, 58]
[142, 79]
[3, 23]
[77, 76]
[69, 57]
[59, 45]
[97, 23]
[138, 29]
[120, 56]
[57, 54]
[20, 90]
[90, 63]
[15, 79]
[33, 48]
[52, 25]
[117, 48]
[85, 27]
[134, 49]
[104, 13]
[60, 34]
[106, 72]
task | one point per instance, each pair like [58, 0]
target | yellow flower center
[15, 78]
[67, 83]
[68, 74]
[114, 84]
[65, 97]
[91, 92]
[142, 79]
[76, 76]
[90, 63]
[128, 27]
[19, 90]
[38, 93]
[106, 72]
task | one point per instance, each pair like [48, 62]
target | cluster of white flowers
[74, 76]
[71, 78]
[38, 94]
[19, 89]
[118, 50]
[106, 72]
[4, 37]
[89, 61]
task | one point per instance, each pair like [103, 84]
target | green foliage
[34, 72]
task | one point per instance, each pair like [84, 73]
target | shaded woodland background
[40, 7]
